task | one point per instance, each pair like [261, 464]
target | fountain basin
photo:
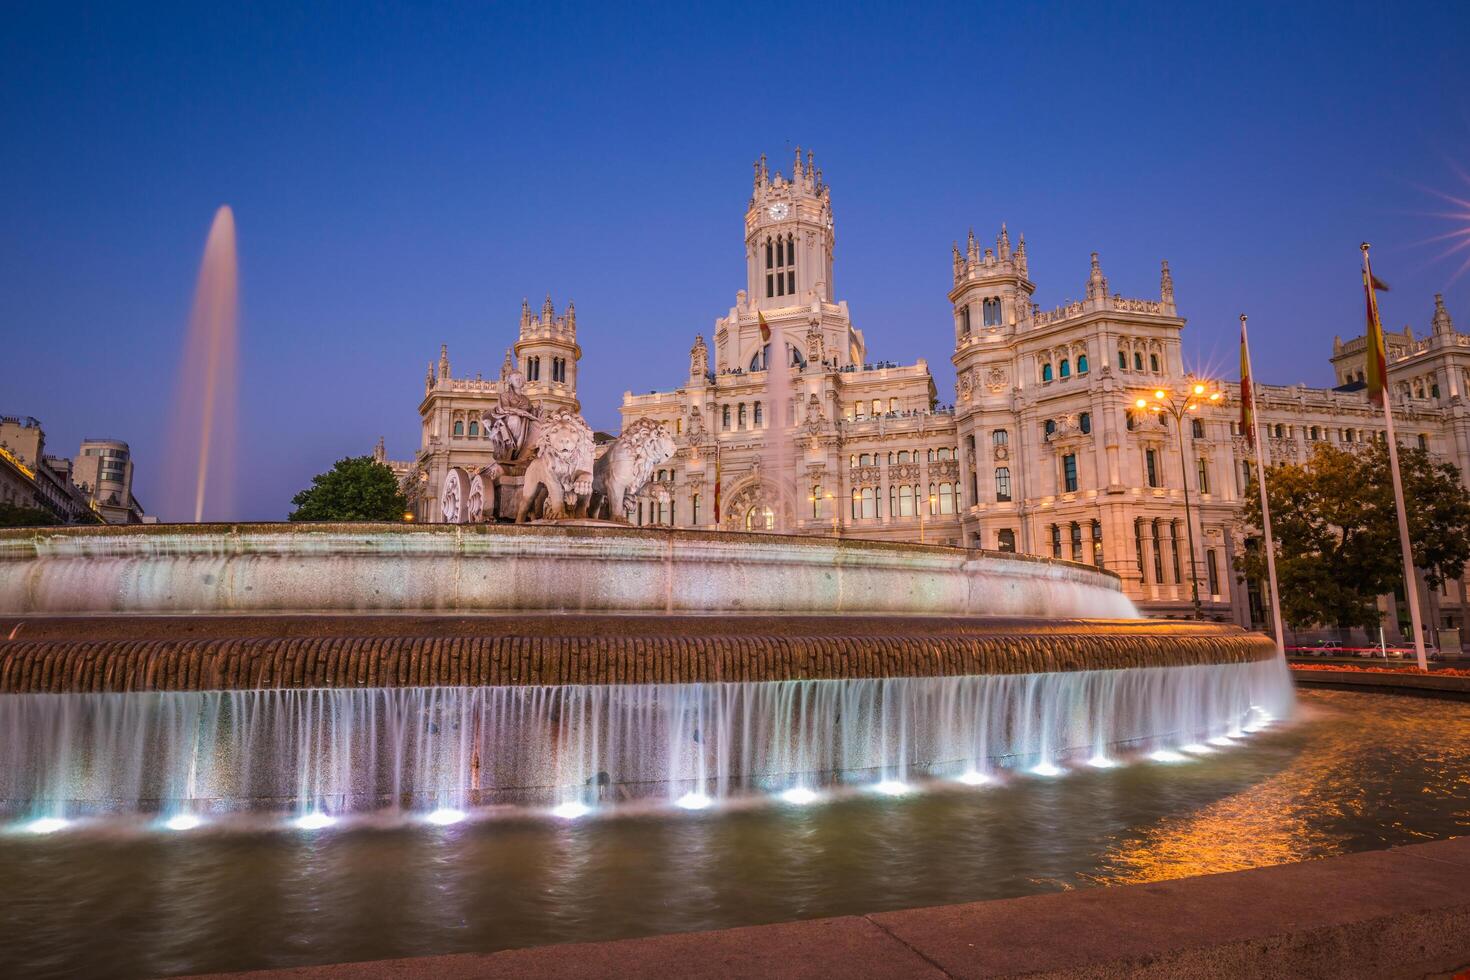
[321, 568]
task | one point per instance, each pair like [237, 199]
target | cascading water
[201, 445]
[439, 749]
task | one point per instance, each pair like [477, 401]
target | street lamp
[826, 496]
[1181, 405]
[932, 499]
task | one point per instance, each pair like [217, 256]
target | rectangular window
[1151, 463]
[1212, 571]
[1158, 555]
[1076, 542]
[1069, 472]
[1056, 541]
[1003, 484]
[1204, 475]
[1097, 544]
[695, 504]
[1138, 544]
[1174, 550]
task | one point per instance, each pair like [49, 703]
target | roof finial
[1003, 244]
[1442, 322]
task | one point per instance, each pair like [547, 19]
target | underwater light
[46, 825]
[1046, 768]
[1168, 755]
[692, 801]
[972, 777]
[1195, 748]
[1101, 761]
[1222, 740]
[182, 821]
[444, 816]
[314, 821]
[799, 795]
[891, 787]
[571, 810]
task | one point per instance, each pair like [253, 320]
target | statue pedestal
[512, 478]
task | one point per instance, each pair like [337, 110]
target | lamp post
[826, 496]
[1180, 406]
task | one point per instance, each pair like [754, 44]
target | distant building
[95, 487]
[104, 470]
[1041, 451]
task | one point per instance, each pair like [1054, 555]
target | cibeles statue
[623, 470]
[558, 480]
[511, 424]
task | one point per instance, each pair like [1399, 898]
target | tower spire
[1097, 283]
[1166, 288]
[1443, 325]
[1003, 244]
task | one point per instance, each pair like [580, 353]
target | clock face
[778, 210]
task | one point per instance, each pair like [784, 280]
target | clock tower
[789, 237]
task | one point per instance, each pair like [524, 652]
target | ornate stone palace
[1039, 453]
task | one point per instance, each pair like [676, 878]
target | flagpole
[1263, 460]
[1410, 587]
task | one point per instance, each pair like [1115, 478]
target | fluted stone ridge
[244, 653]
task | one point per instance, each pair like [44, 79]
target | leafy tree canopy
[12, 515]
[1336, 531]
[354, 489]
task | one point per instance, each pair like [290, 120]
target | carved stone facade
[1038, 454]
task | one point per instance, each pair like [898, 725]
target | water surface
[1356, 772]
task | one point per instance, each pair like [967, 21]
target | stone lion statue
[559, 478]
[625, 468]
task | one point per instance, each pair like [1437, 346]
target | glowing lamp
[1159, 395]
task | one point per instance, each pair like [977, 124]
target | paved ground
[1398, 913]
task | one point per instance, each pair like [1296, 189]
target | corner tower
[548, 353]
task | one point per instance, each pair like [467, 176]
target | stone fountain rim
[13, 540]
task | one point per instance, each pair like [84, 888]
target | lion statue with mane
[559, 477]
[625, 468]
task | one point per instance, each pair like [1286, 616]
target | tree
[354, 489]
[1336, 531]
[13, 515]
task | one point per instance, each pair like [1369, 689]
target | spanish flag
[1377, 371]
[1247, 391]
[765, 327]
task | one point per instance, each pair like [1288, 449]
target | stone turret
[1443, 326]
[444, 362]
[1166, 289]
[547, 352]
[1097, 283]
[789, 237]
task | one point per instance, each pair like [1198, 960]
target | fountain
[201, 442]
[568, 663]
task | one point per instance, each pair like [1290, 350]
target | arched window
[459, 427]
[1153, 363]
[1084, 422]
[1314, 433]
[965, 320]
[1197, 428]
[857, 503]
[1049, 426]
[1081, 363]
[1137, 361]
[474, 428]
[1122, 360]
[1065, 369]
[991, 309]
[877, 407]
[1434, 391]
[1003, 484]
[1005, 540]
[1045, 372]
[740, 416]
[870, 502]
[757, 414]
[1000, 437]
[724, 416]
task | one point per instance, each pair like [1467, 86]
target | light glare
[1168, 755]
[314, 821]
[891, 787]
[799, 796]
[973, 778]
[571, 810]
[692, 801]
[444, 816]
[182, 821]
[46, 825]
[1047, 768]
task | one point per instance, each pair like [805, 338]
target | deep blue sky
[401, 178]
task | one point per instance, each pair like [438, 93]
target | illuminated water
[1355, 772]
[201, 443]
[344, 752]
